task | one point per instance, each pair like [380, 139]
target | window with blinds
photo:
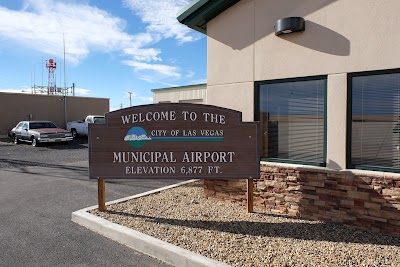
[375, 124]
[292, 115]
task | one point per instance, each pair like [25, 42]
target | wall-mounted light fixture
[289, 25]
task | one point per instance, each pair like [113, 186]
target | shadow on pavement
[24, 166]
[77, 143]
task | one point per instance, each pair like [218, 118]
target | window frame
[257, 86]
[350, 77]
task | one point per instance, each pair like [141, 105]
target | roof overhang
[192, 86]
[198, 13]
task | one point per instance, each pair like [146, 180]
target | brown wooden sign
[174, 141]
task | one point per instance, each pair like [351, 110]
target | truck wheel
[16, 140]
[74, 133]
[34, 141]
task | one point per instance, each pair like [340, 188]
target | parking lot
[39, 189]
[23, 154]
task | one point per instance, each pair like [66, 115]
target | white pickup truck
[80, 127]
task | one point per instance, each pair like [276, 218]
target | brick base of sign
[361, 199]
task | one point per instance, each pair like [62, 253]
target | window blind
[375, 131]
[293, 120]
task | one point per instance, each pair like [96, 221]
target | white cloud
[17, 91]
[26, 90]
[161, 18]
[162, 70]
[137, 99]
[150, 79]
[190, 74]
[41, 26]
[82, 92]
[144, 99]
[146, 78]
[129, 94]
[148, 54]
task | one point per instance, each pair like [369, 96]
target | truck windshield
[99, 120]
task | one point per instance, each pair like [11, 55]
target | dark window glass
[375, 111]
[99, 120]
[39, 125]
[292, 115]
[50, 125]
[34, 125]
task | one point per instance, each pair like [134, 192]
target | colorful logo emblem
[138, 137]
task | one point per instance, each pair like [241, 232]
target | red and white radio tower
[51, 66]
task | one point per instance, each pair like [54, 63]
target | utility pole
[130, 98]
[65, 74]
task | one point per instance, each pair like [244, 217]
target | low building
[195, 93]
[58, 109]
[323, 79]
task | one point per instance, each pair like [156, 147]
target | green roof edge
[198, 13]
[179, 87]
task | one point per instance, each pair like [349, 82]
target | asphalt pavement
[38, 193]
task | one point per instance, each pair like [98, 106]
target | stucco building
[327, 95]
[59, 109]
[195, 93]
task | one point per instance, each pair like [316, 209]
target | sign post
[250, 195]
[101, 193]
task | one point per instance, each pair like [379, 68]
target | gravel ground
[22, 155]
[227, 233]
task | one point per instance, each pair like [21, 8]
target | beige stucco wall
[336, 121]
[341, 36]
[17, 107]
[240, 95]
[230, 45]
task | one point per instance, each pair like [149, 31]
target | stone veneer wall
[362, 199]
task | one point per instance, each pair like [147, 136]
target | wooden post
[249, 195]
[101, 193]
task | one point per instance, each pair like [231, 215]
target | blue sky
[112, 47]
